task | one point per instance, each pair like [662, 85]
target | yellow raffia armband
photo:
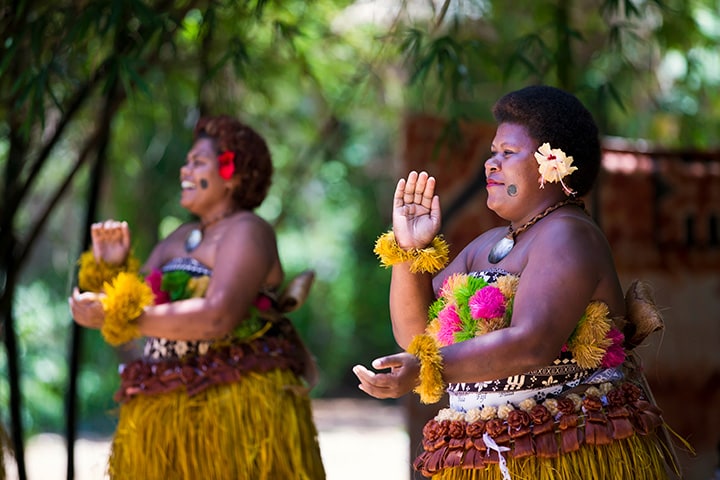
[432, 386]
[430, 259]
[92, 274]
[126, 297]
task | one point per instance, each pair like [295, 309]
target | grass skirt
[256, 428]
[635, 458]
[609, 432]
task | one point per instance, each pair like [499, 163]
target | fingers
[110, 240]
[418, 189]
[435, 214]
[398, 197]
[393, 384]
[410, 186]
[124, 235]
[374, 384]
[84, 297]
[391, 361]
[86, 309]
[111, 231]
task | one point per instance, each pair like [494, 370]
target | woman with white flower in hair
[527, 329]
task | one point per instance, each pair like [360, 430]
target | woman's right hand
[110, 241]
[416, 211]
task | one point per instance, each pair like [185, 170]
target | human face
[512, 162]
[204, 191]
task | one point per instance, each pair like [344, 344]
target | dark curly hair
[253, 163]
[557, 117]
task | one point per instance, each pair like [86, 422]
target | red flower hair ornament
[226, 164]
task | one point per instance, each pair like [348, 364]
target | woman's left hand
[86, 309]
[401, 379]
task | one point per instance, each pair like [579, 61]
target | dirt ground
[359, 439]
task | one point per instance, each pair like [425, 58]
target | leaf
[615, 95]
[8, 55]
[175, 283]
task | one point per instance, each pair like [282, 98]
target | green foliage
[615, 61]
[43, 329]
[124, 82]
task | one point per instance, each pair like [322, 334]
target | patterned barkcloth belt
[221, 365]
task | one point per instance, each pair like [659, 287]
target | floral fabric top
[183, 278]
[179, 278]
[469, 305]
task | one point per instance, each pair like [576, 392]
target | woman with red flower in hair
[221, 389]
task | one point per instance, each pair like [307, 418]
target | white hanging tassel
[490, 443]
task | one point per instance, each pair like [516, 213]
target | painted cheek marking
[203, 183]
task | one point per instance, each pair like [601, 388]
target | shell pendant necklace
[502, 248]
[195, 237]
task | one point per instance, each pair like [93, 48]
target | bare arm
[110, 244]
[564, 267]
[558, 281]
[244, 257]
[416, 221]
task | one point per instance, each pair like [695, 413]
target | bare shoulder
[250, 225]
[571, 251]
[170, 246]
[572, 247]
[250, 220]
[571, 233]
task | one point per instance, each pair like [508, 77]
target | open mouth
[187, 185]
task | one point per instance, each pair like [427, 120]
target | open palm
[110, 241]
[416, 211]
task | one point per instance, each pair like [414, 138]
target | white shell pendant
[193, 240]
[501, 249]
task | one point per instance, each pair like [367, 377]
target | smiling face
[512, 162]
[204, 191]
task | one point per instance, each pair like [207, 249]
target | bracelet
[432, 386]
[126, 298]
[430, 259]
[93, 274]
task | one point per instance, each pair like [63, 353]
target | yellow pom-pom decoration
[508, 285]
[197, 286]
[589, 341]
[93, 274]
[430, 259]
[432, 386]
[126, 298]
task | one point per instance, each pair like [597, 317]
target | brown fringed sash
[221, 365]
[453, 443]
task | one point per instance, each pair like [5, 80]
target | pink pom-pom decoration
[154, 280]
[449, 324]
[615, 354]
[488, 302]
[262, 303]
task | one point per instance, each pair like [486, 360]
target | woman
[526, 324]
[219, 391]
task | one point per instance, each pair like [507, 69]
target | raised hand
[416, 211]
[110, 241]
